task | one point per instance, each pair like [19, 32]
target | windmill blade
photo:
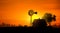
[30, 12]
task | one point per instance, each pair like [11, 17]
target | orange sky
[16, 11]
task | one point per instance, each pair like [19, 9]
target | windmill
[31, 13]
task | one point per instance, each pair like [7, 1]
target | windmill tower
[30, 13]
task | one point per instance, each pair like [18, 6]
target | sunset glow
[16, 11]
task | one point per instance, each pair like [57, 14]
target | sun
[35, 17]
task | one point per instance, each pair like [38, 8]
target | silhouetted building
[39, 23]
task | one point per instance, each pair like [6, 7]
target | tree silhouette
[49, 17]
[54, 18]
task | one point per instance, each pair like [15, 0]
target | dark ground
[30, 29]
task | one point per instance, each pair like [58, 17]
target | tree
[49, 17]
[54, 18]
